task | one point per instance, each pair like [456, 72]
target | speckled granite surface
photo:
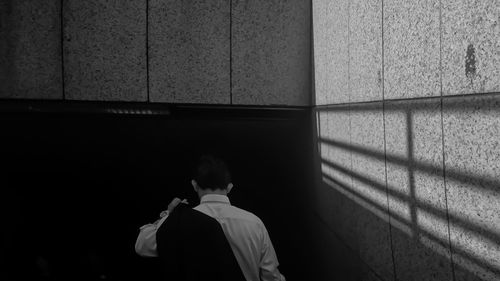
[30, 49]
[105, 50]
[189, 51]
[335, 173]
[334, 130]
[417, 199]
[470, 46]
[411, 49]
[331, 55]
[472, 153]
[271, 52]
[368, 171]
[365, 50]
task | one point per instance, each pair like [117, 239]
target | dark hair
[212, 173]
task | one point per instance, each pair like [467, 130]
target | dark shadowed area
[80, 185]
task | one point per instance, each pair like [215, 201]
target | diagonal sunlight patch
[368, 204]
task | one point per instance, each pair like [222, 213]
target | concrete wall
[407, 98]
[173, 51]
[30, 49]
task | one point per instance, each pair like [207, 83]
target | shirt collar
[215, 198]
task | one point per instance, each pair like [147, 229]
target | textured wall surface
[331, 57]
[367, 133]
[335, 129]
[470, 46]
[270, 52]
[365, 50]
[105, 50]
[204, 52]
[30, 49]
[423, 198]
[472, 150]
[189, 51]
[411, 49]
[417, 199]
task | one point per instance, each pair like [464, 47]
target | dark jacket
[192, 246]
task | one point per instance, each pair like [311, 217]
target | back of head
[212, 173]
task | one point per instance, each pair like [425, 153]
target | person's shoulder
[244, 214]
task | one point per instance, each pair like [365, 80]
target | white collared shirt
[245, 232]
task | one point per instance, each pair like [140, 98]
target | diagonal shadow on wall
[408, 223]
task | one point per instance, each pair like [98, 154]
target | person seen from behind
[247, 236]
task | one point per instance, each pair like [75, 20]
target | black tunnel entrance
[78, 185]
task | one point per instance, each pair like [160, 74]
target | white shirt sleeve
[145, 245]
[269, 261]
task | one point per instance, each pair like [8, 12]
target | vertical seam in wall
[442, 137]
[230, 51]
[318, 133]
[312, 74]
[349, 87]
[147, 50]
[63, 86]
[348, 50]
[349, 101]
[387, 194]
[385, 145]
